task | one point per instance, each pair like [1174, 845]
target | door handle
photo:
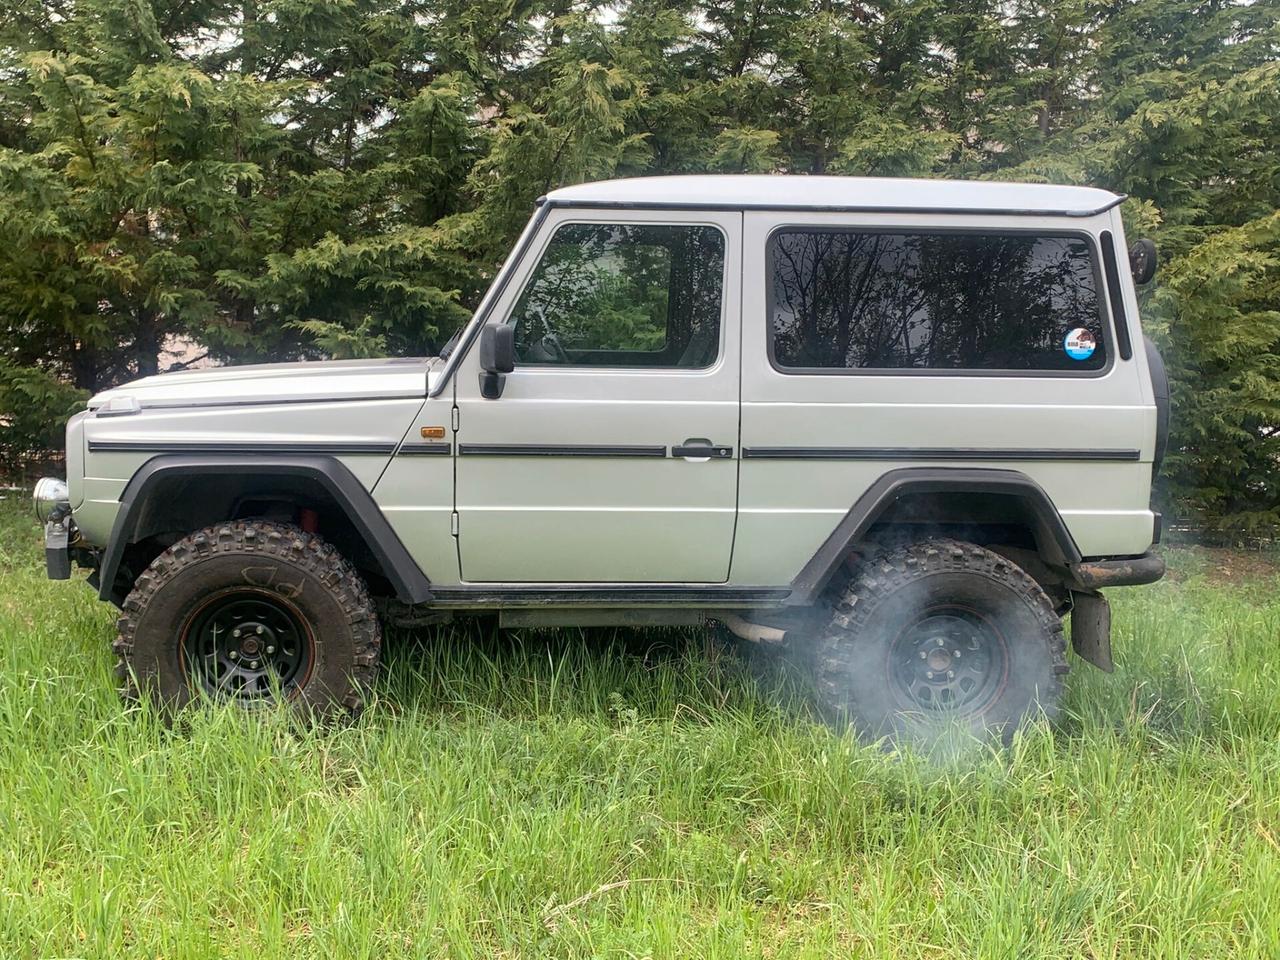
[697, 448]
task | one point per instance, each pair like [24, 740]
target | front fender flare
[398, 566]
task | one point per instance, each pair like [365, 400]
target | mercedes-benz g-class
[907, 426]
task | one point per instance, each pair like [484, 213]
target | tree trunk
[245, 306]
[146, 344]
[86, 368]
[248, 37]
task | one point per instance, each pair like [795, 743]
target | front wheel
[253, 613]
[938, 636]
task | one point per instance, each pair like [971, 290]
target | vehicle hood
[282, 383]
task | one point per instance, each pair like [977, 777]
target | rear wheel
[253, 613]
[939, 636]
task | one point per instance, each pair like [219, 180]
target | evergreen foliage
[273, 179]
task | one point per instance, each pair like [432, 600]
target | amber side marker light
[432, 433]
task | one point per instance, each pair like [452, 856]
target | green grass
[555, 795]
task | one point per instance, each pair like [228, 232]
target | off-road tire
[865, 670]
[278, 563]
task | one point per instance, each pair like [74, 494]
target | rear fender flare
[1056, 543]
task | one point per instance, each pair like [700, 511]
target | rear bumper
[1125, 572]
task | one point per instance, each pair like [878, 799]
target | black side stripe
[556, 450]
[154, 446]
[604, 450]
[931, 453]
[425, 449]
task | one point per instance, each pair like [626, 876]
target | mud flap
[1091, 629]
[57, 557]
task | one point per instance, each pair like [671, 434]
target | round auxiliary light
[49, 496]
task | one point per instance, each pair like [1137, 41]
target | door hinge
[456, 418]
[453, 523]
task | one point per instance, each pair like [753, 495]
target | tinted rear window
[934, 301]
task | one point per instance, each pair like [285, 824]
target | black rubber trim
[930, 453]
[238, 447]
[626, 595]
[1160, 390]
[547, 203]
[1117, 572]
[1116, 296]
[895, 484]
[397, 565]
[715, 451]
[425, 449]
[556, 450]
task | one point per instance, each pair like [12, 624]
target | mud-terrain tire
[939, 636]
[252, 612]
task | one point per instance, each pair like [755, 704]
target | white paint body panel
[282, 382]
[787, 508]
[274, 408]
[564, 519]
[416, 495]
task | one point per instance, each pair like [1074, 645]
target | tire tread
[882, 574]
[282, 541]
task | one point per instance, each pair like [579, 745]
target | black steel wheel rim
[949, 659]
[247, 645]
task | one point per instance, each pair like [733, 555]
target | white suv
[905, 425]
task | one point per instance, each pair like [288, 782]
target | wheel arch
[930, 495]
[180, 492]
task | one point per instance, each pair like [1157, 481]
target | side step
[540, 617]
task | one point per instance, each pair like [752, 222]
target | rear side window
[623, 295]
[934, 301]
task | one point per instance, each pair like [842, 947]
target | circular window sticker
[1080, 344]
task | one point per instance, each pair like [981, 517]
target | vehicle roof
[778, 192]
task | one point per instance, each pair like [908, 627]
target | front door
[611, 455]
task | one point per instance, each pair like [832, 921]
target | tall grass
[564, 795]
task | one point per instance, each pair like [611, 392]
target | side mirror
[497, 357]
[1142, 260]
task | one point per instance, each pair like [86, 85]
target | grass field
[554, 795]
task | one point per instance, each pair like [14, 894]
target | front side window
[936, 301]
[623, 295]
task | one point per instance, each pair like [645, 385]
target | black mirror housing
[498, 348]
[497, 358]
